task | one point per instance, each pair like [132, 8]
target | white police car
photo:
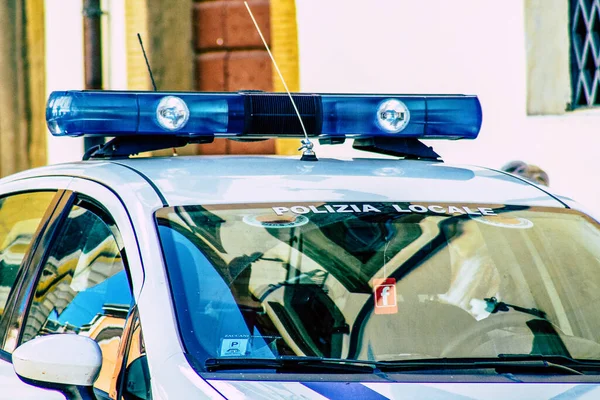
[269, 277]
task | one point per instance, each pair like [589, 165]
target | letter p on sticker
[384, 293]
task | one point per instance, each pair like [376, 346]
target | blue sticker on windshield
[245, 346]
[234, 347]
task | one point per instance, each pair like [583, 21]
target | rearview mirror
[60, 361]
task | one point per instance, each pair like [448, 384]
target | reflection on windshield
[383, 281]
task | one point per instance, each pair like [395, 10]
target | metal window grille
[585, 53]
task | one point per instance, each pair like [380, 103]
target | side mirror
[59, 361]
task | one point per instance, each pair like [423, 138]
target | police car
[300, 278]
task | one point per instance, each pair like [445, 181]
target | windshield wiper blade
[556, 359]
[496, 306]
[504, 363]
[291, 364]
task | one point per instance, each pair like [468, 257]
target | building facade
[515, 55]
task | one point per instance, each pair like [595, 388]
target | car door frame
[113, 206]
[70, 190]
[29, 185]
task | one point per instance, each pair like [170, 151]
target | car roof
[184, 180]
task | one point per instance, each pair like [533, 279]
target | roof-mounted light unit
[256, 115]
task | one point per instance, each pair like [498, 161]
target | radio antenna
[151, 74]
[147, 62]
[307, 146]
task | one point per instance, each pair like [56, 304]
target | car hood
[405, 391]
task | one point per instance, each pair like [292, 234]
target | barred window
[585, 53]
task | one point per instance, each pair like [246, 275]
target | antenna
[308, 154]
[147, 62]
[151, 75]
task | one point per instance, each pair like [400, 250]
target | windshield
[382, 281]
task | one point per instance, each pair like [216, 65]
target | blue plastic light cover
[112, 113]
[431, 117]
[262, 115]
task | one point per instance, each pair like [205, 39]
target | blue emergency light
[258, 115]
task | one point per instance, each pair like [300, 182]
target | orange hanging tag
[385, 296]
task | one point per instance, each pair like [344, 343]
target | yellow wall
[284, 43]
[136, 17]
[34, 10]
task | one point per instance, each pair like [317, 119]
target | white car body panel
[176, 379]
[11, 387]
[256, 390]
[210, 180]
[214, 180]
[34, 183]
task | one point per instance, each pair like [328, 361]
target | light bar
[255, 115]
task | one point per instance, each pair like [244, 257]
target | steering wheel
[463, 344]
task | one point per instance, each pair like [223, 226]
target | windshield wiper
[493, 306]
[504, 363]
[546, 338]
[293, 364]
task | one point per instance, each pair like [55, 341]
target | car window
[83, 287]
[136, 377]
[20, 217]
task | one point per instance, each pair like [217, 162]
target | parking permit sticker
[384, 291]
[234, 347]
